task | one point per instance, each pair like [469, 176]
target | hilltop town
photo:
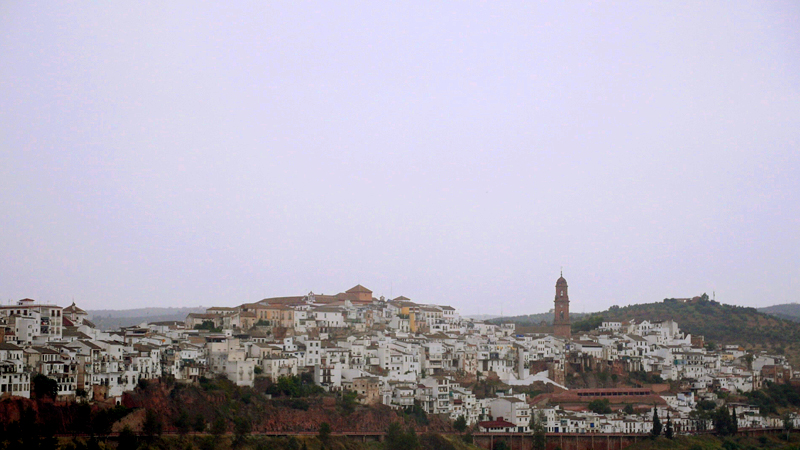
[406, 355]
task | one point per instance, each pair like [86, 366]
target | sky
[461, 153]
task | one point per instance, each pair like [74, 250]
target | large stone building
[561, 325]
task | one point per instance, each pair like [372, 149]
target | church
[561, 325]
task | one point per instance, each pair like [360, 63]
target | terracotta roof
[281, 300]
[358, 289]
[496, 424]
[74, 309]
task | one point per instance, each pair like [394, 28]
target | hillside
[788, 311]
[718, 323]
[532, 319]
[110, 319]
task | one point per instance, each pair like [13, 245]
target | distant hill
[481, 316]
[788, 311]
[533, 319]
[110, 319]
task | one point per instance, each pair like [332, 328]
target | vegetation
[347, 402]
[725, 422]
[399, 439]
[656, 424]
[788, 311]
[710, 442]
[324, 433]
[44, 387]
[537, 426]
[774, 396]
[587, 323]
[600, 406]
[416, 413]
[718, 323]
[208, 325]
[532, 319]
[644, 377]
[668, 432]
[152, 426]
[295, 386]
[460, 424]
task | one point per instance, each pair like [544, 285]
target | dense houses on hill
[394, 352]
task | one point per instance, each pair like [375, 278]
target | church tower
[561, 324]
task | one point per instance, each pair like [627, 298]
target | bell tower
[561, 325]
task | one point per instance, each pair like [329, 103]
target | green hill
[718, 323]
[788, 311]
[531, 319]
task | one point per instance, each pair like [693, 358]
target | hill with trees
[788, 311]
[529, 320]
[718, 323]
[110, 319]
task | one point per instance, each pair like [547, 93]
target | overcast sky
[185, 154]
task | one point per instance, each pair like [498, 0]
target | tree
[152, 425]
[538, 428]
[324, 433]
[668, 431]
[241, 429]
[394, 434]
[218, 427]
[44, 387]
[397, 439]
[656, 423]
[199, 423]
[348, 402]
[723, 424]
[182, 423]
[127, 439]
[706, 405]
[411, 440]
[600, 406]
[501, 445]
[460, 424]
[207, 325]
[788, 425]
[628, 409]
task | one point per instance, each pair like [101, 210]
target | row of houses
[394, 352]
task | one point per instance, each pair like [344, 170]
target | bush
[44, 387]
[600, 406]
[460, 424]
[324, 433]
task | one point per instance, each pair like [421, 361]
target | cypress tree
[656, 423]
[668, 431]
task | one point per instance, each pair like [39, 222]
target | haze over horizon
[187, 154]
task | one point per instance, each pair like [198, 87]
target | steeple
[561, 324]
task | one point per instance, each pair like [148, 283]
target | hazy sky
[184, 154]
